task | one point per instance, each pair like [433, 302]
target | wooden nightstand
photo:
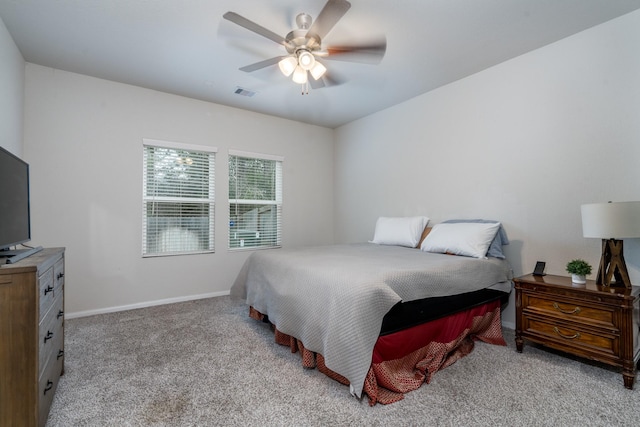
[588, 320]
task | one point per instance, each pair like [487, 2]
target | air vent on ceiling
[244, 92]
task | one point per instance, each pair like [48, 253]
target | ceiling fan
[304, 46]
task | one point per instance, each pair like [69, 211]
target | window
[255, 200]
[178, 198]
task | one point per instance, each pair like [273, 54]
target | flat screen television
[15, 219]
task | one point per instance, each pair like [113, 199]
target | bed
[383, 316]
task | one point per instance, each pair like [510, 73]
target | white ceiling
[184, 47]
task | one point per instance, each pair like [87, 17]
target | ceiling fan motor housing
[301, 39]
[303, 21]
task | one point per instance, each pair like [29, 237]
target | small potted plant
[579, 269]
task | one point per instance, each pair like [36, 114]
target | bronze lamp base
[612, 265]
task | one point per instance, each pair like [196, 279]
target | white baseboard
[86, 313]
[509, 325]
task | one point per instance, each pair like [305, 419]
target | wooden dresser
[31, 336]
[591, 321]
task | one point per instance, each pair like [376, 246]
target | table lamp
[612, 222]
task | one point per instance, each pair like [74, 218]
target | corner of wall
[12, 71]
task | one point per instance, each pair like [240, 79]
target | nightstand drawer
[577, 311]
[569, 336]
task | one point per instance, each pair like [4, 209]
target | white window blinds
[255, 200]
[178, 198]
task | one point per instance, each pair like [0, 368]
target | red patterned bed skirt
[403, 360]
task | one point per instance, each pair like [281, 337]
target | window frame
[146, 198]
[278, 200]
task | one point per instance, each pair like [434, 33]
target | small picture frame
[539, 270]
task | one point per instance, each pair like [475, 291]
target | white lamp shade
[306, 60]
[318, 70]
[287, 65]
[300, 75]
[611, 220]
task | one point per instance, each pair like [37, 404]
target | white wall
[11, 93]
[525, 142]
[83, 139]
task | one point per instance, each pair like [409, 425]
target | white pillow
[401, 231]
[468, 239]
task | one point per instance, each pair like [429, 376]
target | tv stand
[19, 254]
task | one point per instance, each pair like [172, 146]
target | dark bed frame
[404, 315]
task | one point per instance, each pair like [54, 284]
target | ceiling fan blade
[262, 64]
[367, 53]
[315, 84]
[327, 80]
[252, 26]
[332, 79]
[329, 17]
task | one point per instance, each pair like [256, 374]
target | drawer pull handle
[60, 354]
[60, 276]
[569, 337]
[60, 314]
[574, 311]
[49, 289]
[48, 387]
[48, 336]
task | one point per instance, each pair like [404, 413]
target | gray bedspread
[333, 298]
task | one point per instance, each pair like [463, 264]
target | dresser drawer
[58, 276]
[577, 311]
[47, 386]
[46, 286]
[51, 333]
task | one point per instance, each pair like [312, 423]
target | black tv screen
[14, 200]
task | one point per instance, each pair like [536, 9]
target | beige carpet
[205, 363]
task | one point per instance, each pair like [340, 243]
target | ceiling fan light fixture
[318, 70]
[288, 65]
[306, 60]
[300, 75]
